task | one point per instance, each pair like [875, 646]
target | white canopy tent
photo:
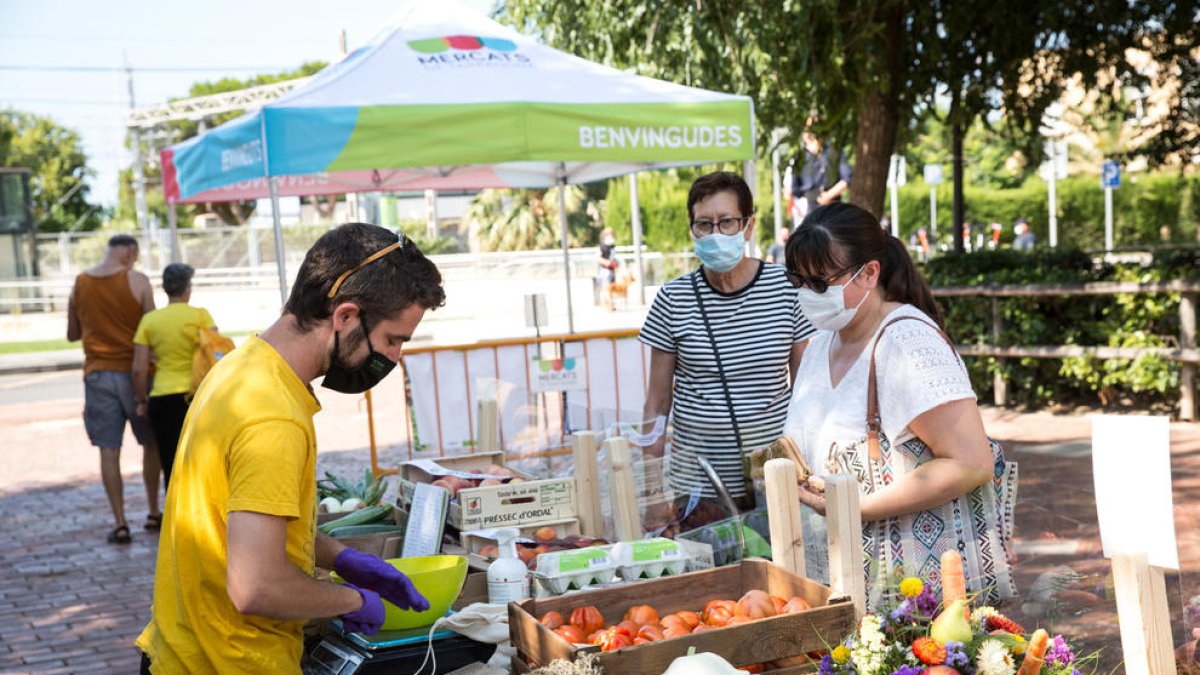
[445, 98]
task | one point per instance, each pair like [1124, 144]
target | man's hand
[368, 618]
[824, 198]
[141, 409]
[373, 573]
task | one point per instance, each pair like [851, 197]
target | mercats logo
[460, 51]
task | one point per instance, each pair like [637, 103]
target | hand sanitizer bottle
[507, 576]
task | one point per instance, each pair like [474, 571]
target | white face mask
[828, 311]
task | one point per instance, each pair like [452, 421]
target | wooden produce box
[777, 637]
[509, 505]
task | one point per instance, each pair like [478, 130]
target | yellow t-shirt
[170, 333]
[248, 445]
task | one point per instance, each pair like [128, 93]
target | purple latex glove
[371, 572]
[368, 618]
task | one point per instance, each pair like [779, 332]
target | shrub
[1122, 320]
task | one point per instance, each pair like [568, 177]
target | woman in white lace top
[854, 279]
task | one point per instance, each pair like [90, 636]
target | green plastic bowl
[439, 578]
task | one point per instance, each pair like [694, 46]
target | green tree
[867, 67]
[55, 155]
[521, 220]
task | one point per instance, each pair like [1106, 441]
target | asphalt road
[40, 387]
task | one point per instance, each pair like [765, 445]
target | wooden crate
[830, 620]
[533, 501]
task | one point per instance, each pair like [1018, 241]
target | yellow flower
[911, 587]
[840, 654]
[1018, 646]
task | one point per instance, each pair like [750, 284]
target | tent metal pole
[173, 225]
[562, 226]
[750, 173]
[635, 210]
[280, 263]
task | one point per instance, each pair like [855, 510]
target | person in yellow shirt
[167, 335]
[234, 581]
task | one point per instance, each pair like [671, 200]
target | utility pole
[139, 176]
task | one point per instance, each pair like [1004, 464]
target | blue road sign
[1110, 174]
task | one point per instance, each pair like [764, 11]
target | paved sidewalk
[69, 602]
[41, 362]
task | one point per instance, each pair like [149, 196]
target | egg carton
[562, 571]
[649, 559]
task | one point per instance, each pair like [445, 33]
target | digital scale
[397, 652]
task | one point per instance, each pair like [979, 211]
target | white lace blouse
[916, 371]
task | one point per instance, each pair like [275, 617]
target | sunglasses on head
[817, 283]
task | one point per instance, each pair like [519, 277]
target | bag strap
[873, 421]
[737, 432]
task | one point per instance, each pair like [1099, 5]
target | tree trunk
[959, 212]
[878, 118]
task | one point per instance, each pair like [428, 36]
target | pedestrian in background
[106, 304]
[775, 253]
[606, 264]
[820, 175]
[168, 336]
[1025, 239]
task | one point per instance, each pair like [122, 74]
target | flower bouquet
[916, 634]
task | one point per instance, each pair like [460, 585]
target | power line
[163, 69]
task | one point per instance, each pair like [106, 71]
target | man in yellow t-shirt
[169, 336]
[233, 584]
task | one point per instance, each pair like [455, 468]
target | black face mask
[369, 373]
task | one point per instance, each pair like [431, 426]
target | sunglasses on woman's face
[817, 284]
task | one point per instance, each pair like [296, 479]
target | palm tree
[518, 220]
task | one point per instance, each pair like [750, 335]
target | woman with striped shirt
[725, 340]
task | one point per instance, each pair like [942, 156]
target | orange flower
[1000, 622]
[929, 651]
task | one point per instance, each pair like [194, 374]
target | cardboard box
[765, 640]
[473, 540]
[512, 504]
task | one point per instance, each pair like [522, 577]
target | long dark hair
[836, 235]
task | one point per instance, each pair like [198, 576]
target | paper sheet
[1131, 466]
[426, 521]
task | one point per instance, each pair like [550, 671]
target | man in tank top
[107, 302]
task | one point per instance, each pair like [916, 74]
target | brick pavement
[69, 602]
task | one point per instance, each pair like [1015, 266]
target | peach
[545, 534]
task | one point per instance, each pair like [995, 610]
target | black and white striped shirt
[755, 329]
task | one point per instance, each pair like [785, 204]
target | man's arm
[142, 290]
[74, 328]
[260, 580]
[141, 377]
[326, 549]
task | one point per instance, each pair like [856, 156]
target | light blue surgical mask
[720, 252]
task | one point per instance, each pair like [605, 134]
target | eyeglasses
[817, 284]
[730, 225]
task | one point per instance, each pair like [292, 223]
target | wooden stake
[783, 515]
[1143, 614]
[627, 525]
[487, 430]
[587, 483]
[844, 519]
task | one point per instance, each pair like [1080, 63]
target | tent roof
[444, 97]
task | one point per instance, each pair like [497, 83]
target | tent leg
[750, 173]
[280, 263]
[173, 225]
[562, 226]
[635, 211]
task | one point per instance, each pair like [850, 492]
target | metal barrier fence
[446, 383]
[244, 257]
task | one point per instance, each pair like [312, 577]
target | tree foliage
[521, 220]
[55, 156]
[868, 68]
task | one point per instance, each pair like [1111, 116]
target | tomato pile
[642, 623]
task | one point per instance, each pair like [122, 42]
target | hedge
[1123, 320]
[1143, 205]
